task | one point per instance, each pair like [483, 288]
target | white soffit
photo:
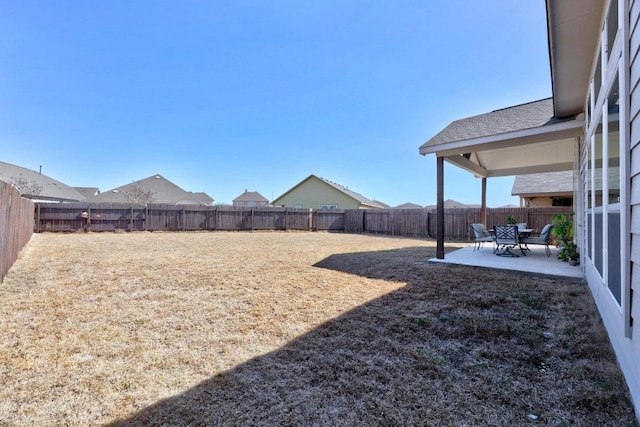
[573, 27]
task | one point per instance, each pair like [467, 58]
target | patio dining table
[523, 233]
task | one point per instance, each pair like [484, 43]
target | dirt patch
[293, 329]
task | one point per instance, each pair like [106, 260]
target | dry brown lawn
[293, 329]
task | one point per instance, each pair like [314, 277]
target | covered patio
[536, 261]
[518, 140]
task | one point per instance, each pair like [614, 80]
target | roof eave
[567, 129]
[573, 28]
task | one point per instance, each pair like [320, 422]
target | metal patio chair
[542, 239]
[481, 235]
[507, 238]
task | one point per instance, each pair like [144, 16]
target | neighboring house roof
[558, 183]
[251, 196]
[35, 185]
[362, 200]
[154, 189]
[357, 196]
[520, 117]
[87, 191]
[197, 198]
[408, 206]
[203, 197]
[543, 184]
[452, 204]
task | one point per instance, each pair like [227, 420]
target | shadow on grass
[454, 346]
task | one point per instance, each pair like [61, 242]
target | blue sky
[226, 96]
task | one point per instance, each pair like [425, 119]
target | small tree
[140, 195]
[30, 188]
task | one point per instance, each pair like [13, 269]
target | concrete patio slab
[536, 261]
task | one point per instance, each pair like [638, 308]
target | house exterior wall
[542, 202]
[609, 226]
[537, 202]
[312, 194]
[634, 199]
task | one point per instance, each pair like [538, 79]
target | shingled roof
[35, 185]
[159, 189]
[543, 183]
[520, 117]
[251, 196]
[357, 196]
[87, 191]
[408, 206]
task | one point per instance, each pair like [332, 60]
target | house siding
[628, 348]
[621, 321]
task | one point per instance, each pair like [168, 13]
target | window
[612, 27]
[603, 222]
[561, 201]
[601, 162]
[328, 206]
[597, 164]
[613, 144]
[612, 201]
[297, 206]
[597, 78]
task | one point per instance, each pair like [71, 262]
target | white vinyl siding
[611, 222]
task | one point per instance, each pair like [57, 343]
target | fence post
[285, 219]
[38, 218]
[146, 216]
[131, 219]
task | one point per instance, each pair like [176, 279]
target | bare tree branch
[26, 187]
[139, 195]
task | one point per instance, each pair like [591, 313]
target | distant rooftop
[543, 183]
[38, 186]
[251, 196]
[359, 197]
[153, 189]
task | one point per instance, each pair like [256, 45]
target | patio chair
[521, 225]
[542, 239]
[481, 235]
[507, 238]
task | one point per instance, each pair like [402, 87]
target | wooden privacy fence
[16, 225]
[395, 222]
[156, 217]
[458, 222]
